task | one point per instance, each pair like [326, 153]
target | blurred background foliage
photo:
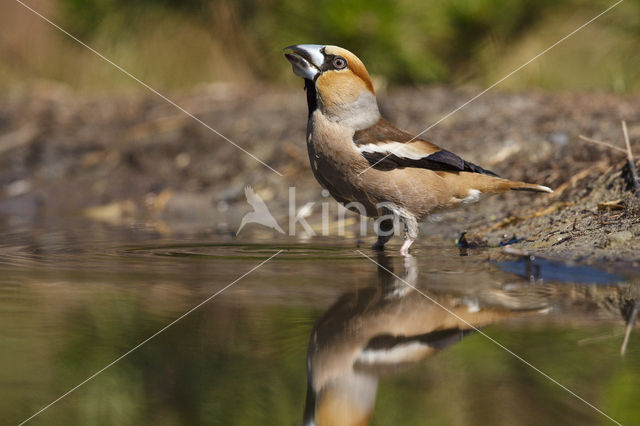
[180, 43]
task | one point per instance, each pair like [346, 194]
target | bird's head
[337, 83]
[346, 400]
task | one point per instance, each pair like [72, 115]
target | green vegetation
[176, 44]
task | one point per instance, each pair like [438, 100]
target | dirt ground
[133, 159]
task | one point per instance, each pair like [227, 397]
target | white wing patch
[473, 197]
[399, 353]
[405, 150]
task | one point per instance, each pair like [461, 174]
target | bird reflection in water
[380, 329]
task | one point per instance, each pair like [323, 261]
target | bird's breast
[335, 161]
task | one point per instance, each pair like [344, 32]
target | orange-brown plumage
[355, 65]
[386, 327]
[362, 158]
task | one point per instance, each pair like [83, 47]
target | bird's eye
[339, 63]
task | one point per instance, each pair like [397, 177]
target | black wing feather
[439, 161]
[437, 339]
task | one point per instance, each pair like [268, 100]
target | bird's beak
[306, 59]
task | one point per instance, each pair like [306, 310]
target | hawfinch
[369, 164]
[382, 328]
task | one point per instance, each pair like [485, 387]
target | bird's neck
[355, 112]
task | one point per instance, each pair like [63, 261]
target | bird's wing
[387, 147]
[390, 349]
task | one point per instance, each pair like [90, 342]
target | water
[398, 348]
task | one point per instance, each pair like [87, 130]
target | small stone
[18, 187]
[182, 160]
[620, 237]
[559, 138]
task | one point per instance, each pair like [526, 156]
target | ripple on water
[243, 251]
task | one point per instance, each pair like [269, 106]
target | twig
[595, 339]
[632, 164]
[627, 332]
[630, 160]
[607, 144]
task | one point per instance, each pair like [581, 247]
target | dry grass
[176, 54]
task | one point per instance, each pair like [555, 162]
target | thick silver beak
[306, 59]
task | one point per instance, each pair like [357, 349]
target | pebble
[620, 237]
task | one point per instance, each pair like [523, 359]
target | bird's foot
[410, 267]
[404, 250]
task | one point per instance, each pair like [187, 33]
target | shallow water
[320, 324]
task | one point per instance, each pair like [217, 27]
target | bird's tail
[522, 186]
[496, 185]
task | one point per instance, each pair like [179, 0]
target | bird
[383, 328]
[370, 165]
[260, 214]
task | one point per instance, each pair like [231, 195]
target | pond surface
[321, 331]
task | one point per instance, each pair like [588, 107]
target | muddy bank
[132, 159]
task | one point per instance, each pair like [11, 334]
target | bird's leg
[404, 250]
[385, 232]
[402, 286]
[410, 234]
[410, 270]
